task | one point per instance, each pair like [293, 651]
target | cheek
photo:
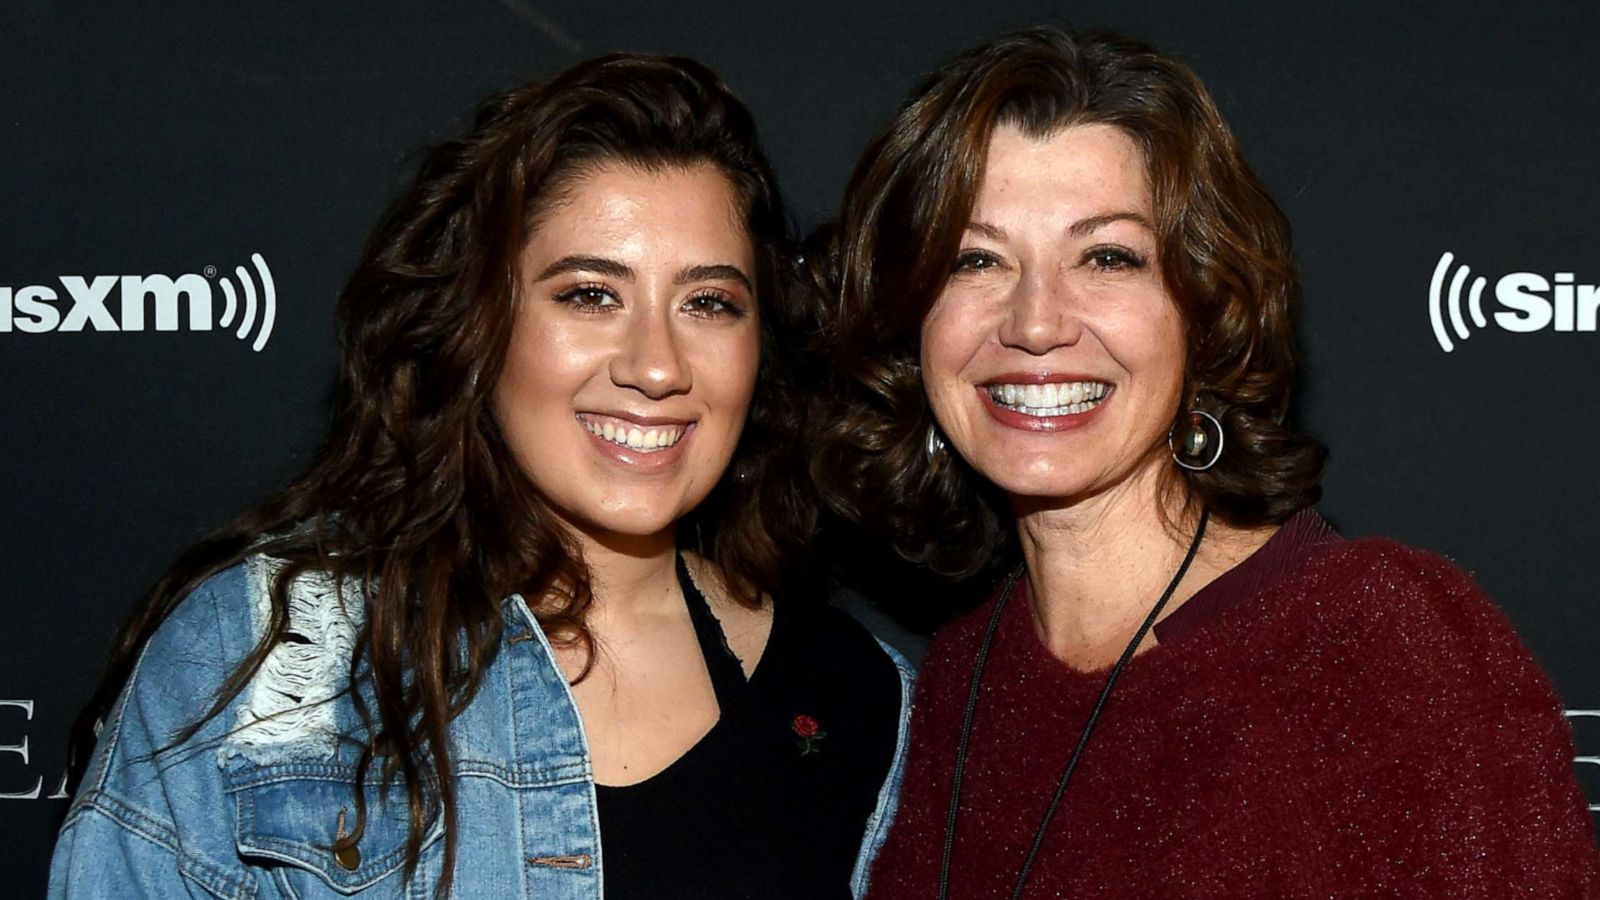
[1168, 352]
[542, 367]
[1153, 350]
[726, 371]
[948, 342]
[1144, 334]
[544, 370]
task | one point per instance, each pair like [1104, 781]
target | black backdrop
[183, 138]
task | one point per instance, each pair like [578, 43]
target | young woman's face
[634, 349]
[1054, 357]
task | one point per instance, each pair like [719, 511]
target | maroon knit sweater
[1366, 724]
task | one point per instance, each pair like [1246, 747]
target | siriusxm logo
[1530, 302]
[85, 304]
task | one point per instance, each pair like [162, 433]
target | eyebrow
[992, 232]
[1078, 229]
[1094, 223]
[611, 268]
[596, 264]
[716, 272]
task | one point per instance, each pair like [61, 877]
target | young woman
[526, 625]
[1065, 326]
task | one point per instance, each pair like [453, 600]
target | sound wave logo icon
[1528, 302]
[269, 302]
[1439, 303]
[38, 308]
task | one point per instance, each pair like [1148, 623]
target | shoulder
[1371, 562]
[1378, 587]
[213, 619]
[225, 616]
[190, 662]
[950, 658]
[187, 660]
[1411, 633]
[265, 763]
[154, 772]
[223, 620]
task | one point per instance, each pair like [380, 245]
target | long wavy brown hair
[414, 493]
[1226, 257]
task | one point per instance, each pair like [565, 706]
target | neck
[630, 575]
[1098, 564]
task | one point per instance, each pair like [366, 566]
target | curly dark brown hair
[1225, 254]
[415, 494]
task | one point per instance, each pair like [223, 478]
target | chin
[1037, 477]
[1043, 491]
[617, 514]
[622, 531]
[641, 521]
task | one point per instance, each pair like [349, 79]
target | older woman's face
[1054, 357]
[634, 349]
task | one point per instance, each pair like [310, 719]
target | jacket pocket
[294, 814]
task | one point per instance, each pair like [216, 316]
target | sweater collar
[1305, 533]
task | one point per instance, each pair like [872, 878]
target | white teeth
[1053, 399]
[634, 438]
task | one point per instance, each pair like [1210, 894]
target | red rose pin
[810, 734]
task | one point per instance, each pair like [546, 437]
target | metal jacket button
[348, 858]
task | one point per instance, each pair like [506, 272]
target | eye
[588, 298]
[975, 261]
[712, 305]
[1113, 259]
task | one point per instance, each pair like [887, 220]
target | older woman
[1064, 334]
[526, 627]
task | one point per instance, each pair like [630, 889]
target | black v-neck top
[773, 801]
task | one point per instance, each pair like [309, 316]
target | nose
[649, 360]
[1042, 315]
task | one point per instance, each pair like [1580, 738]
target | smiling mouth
[1066, 398]
[643, 438]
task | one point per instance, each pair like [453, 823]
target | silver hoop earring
[934, 444]
[1199, 440]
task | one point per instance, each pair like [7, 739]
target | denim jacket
[252, 803]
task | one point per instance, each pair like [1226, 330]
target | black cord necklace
[1088, 727]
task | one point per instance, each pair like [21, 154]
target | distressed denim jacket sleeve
[251, 805]
[889, 796]
[125, 833]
